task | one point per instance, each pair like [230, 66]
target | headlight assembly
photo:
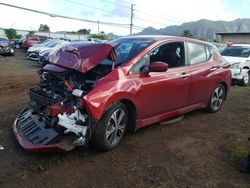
[235, 66]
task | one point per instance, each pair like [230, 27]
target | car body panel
[82, 57]
[156, 96]
[243, 63]
[97, 102]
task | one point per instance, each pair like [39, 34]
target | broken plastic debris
[1, 147]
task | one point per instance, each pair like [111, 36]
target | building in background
[237, 38]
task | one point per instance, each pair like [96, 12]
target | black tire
[245, 80]
[100, 138]
[216, 99]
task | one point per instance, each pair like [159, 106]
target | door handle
[184, 75]
[214, 68]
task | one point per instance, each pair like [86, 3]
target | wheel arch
[246, 67]
[132, 113]
[226, 88]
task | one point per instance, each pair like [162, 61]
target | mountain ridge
[202, 29]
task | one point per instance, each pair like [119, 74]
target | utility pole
[98, 27]
[131, 18]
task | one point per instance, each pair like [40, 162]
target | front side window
[172, 54]
[198, 53]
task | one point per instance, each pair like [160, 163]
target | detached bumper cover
[32, 135]
[238, 74]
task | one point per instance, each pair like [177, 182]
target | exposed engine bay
[57, 107]
[58, 118]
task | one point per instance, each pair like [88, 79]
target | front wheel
[217, 98]
[246, 79]
[111, 128]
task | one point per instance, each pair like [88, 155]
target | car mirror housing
[158, 66]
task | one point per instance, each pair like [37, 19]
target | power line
[86, 5]
[66, 17]
[159, 15]
[125, 7]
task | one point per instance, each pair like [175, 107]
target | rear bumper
[238, 74]
[63, 145]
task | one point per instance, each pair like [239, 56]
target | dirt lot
[202, 150]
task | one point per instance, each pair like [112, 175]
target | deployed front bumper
[33, 136]
[238, 74]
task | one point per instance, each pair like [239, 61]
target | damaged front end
[58, 118]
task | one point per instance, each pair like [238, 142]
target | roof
[164, 37]
[238, 33]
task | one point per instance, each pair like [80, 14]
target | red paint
[158, 67]
[56, 109]
[82, 57]
[159, 95]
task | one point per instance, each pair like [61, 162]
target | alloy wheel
[217, 98]
[116, 126]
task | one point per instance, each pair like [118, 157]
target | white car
[33, 51]
[238, 55]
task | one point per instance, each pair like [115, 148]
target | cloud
[175, 12]
[157, 13]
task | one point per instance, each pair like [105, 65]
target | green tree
[11, 34]
[187, 33]
[44, 27]
[84, 31]
[31, 32]
[100, 36]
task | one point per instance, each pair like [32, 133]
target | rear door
[202, 67]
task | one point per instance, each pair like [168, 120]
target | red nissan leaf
[94, 93]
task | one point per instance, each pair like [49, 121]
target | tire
[245, 80]
[17, 46]
[109, 132]
[217, 99]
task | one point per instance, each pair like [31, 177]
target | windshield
[126, 49]
[236, 51]
[53, 44]
[46, 42]
[4, 42]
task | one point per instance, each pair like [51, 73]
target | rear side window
[197, 53]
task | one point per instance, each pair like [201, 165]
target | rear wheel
[217, 98]
[111, 128]
[246, 79]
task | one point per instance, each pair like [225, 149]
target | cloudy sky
[156, 13]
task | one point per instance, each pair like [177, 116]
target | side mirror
[158, 66]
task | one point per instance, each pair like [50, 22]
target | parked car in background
[238, 55]
[5, 47]
[95, 92]
[33, 51]
[43, 55]
[219, 46]
[33, 39]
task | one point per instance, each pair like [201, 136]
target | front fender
[100, 98]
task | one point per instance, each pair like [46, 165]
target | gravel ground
[200, 150]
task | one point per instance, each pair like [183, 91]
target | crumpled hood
[233, 60]
[81, 56]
